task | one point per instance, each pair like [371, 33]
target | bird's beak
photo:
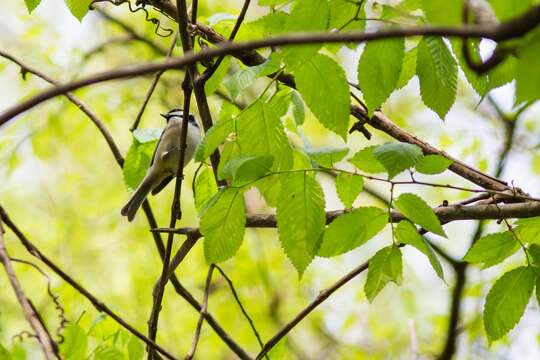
[164, 115]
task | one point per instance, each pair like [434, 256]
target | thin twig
[323, 295]
[208, 73]
[176, 210]
[184, 293]
[504, 31]
[50, 348]
[246, 315]
[130, 30]
[153, 86]
[204, 307]
[98, 304]
[461, 267]
[75, 100]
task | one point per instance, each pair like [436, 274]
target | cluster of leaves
[79, 8]
[507, 299]
[257, 152]
[103, 340]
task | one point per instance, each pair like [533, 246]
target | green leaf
[443, 12]
[503, 73]
[300, 218]
[273, 23]
[223, 223]
[365, 160]
[135, 348]
[534, 251]
[213, 138]
[138, 160]
[260, 132]
[437, 70]
[492, 249]
[4, 353]
[419, 212]
[433, 164]
[528, 230]
[477, 81]
[342, 11]
[205, 187]
[308, 15]
[272, 3]
[18, 352]
[538, 290]
[245, 77]
[348, 186]
[270, 188]
[397, 157]
[385, 266]
[215, 81]
[408, 68]
[245, 169]
[351, 230]
[528, 74]
[31, 5]
[507, 9]
[107, 352]
[379, 69]
[326, 96]
[407, 233]
[299, 113]
[280, 102]
[506, 301]
[75, 342]
[326, 157]
[230, 151]
[78, 8]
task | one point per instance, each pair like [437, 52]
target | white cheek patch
[177, 113]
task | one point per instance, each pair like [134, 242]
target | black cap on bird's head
[180, 113]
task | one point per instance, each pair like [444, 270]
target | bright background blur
[60, 184]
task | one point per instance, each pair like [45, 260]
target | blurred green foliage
[61, 185]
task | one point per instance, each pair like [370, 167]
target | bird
[164, 163]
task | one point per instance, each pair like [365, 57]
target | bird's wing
[162, 184]
[155, 150]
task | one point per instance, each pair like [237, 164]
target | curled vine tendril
[155, 21]
[20, 336]
[63, 319]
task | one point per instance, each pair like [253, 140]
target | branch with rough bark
[505, 31]
[445, 214]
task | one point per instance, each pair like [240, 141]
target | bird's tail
[137, 198]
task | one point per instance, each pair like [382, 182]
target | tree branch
[99, 305]
[153, 86]
[461, 267]
[50, 348]
[208, 73]
[323, 295]
[445, 214]
[183, 292]
[75, 100]
[204, 307]
[176, 212]
[504, 31]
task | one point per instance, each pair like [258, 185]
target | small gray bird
[164, 164]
